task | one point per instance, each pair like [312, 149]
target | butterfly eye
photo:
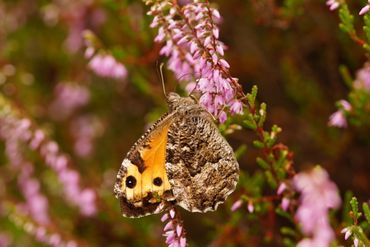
[130, 182]
[157, 181]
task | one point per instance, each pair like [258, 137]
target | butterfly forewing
[142, 183]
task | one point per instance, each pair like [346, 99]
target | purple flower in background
[282, 187]
[68, 98]
[363, 78]
[315, 186]
[106, 65]
[348, 231]
[333, 4]
[85, 129]
[285, 202]
[47, 236]
[5, 240]
[16, 131]
[236, 205]
[365, 9]
[36, 203]
[76, 15]
[173, 230]
[250, 207]
[338, 118]
[191, 37]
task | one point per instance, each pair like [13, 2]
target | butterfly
[182, 159]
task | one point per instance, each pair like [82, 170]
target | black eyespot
[157, 181]
[130, 182]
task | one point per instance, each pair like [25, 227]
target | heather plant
[79, 84]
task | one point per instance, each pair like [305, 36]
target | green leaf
[262, 163]
[289, 243]
[366, 46]
[346, 19]
[270, 179]
[354, 206]
[288, 231]
[343, 70]
[282, 213]
[254, 93]
[249, 123]
[258, 144]
[366, 210]
[292, 8]
[240, 151]
[262, 114]
[366, 28]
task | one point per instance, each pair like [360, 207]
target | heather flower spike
[106, 65]
[101, 62]
[16, 130]
[191, 38]
[173, 230]
[313, 217]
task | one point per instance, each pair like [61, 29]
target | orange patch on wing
[154, 159]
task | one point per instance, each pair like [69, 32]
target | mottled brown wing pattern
[200, 164]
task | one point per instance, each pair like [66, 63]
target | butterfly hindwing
[200, 164]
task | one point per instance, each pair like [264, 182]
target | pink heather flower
[172, 213]
[106, 65]
[314, 187]
[173, 230]
[196, 53]
[164, 217]
[345, 104]
[356, 242]
[68, 97]
[333, 4]
[89, 52]
[347, 232]
[250, 207]
[222, 117]
[338, 118]
[365, 9]
[282, 188]
[236, 205]
[236, 107]
[285, 203]
[363, 76]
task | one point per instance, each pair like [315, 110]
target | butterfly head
[175, 101]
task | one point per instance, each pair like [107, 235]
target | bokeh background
[292, 53]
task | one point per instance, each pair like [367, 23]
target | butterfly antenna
[162, 78]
